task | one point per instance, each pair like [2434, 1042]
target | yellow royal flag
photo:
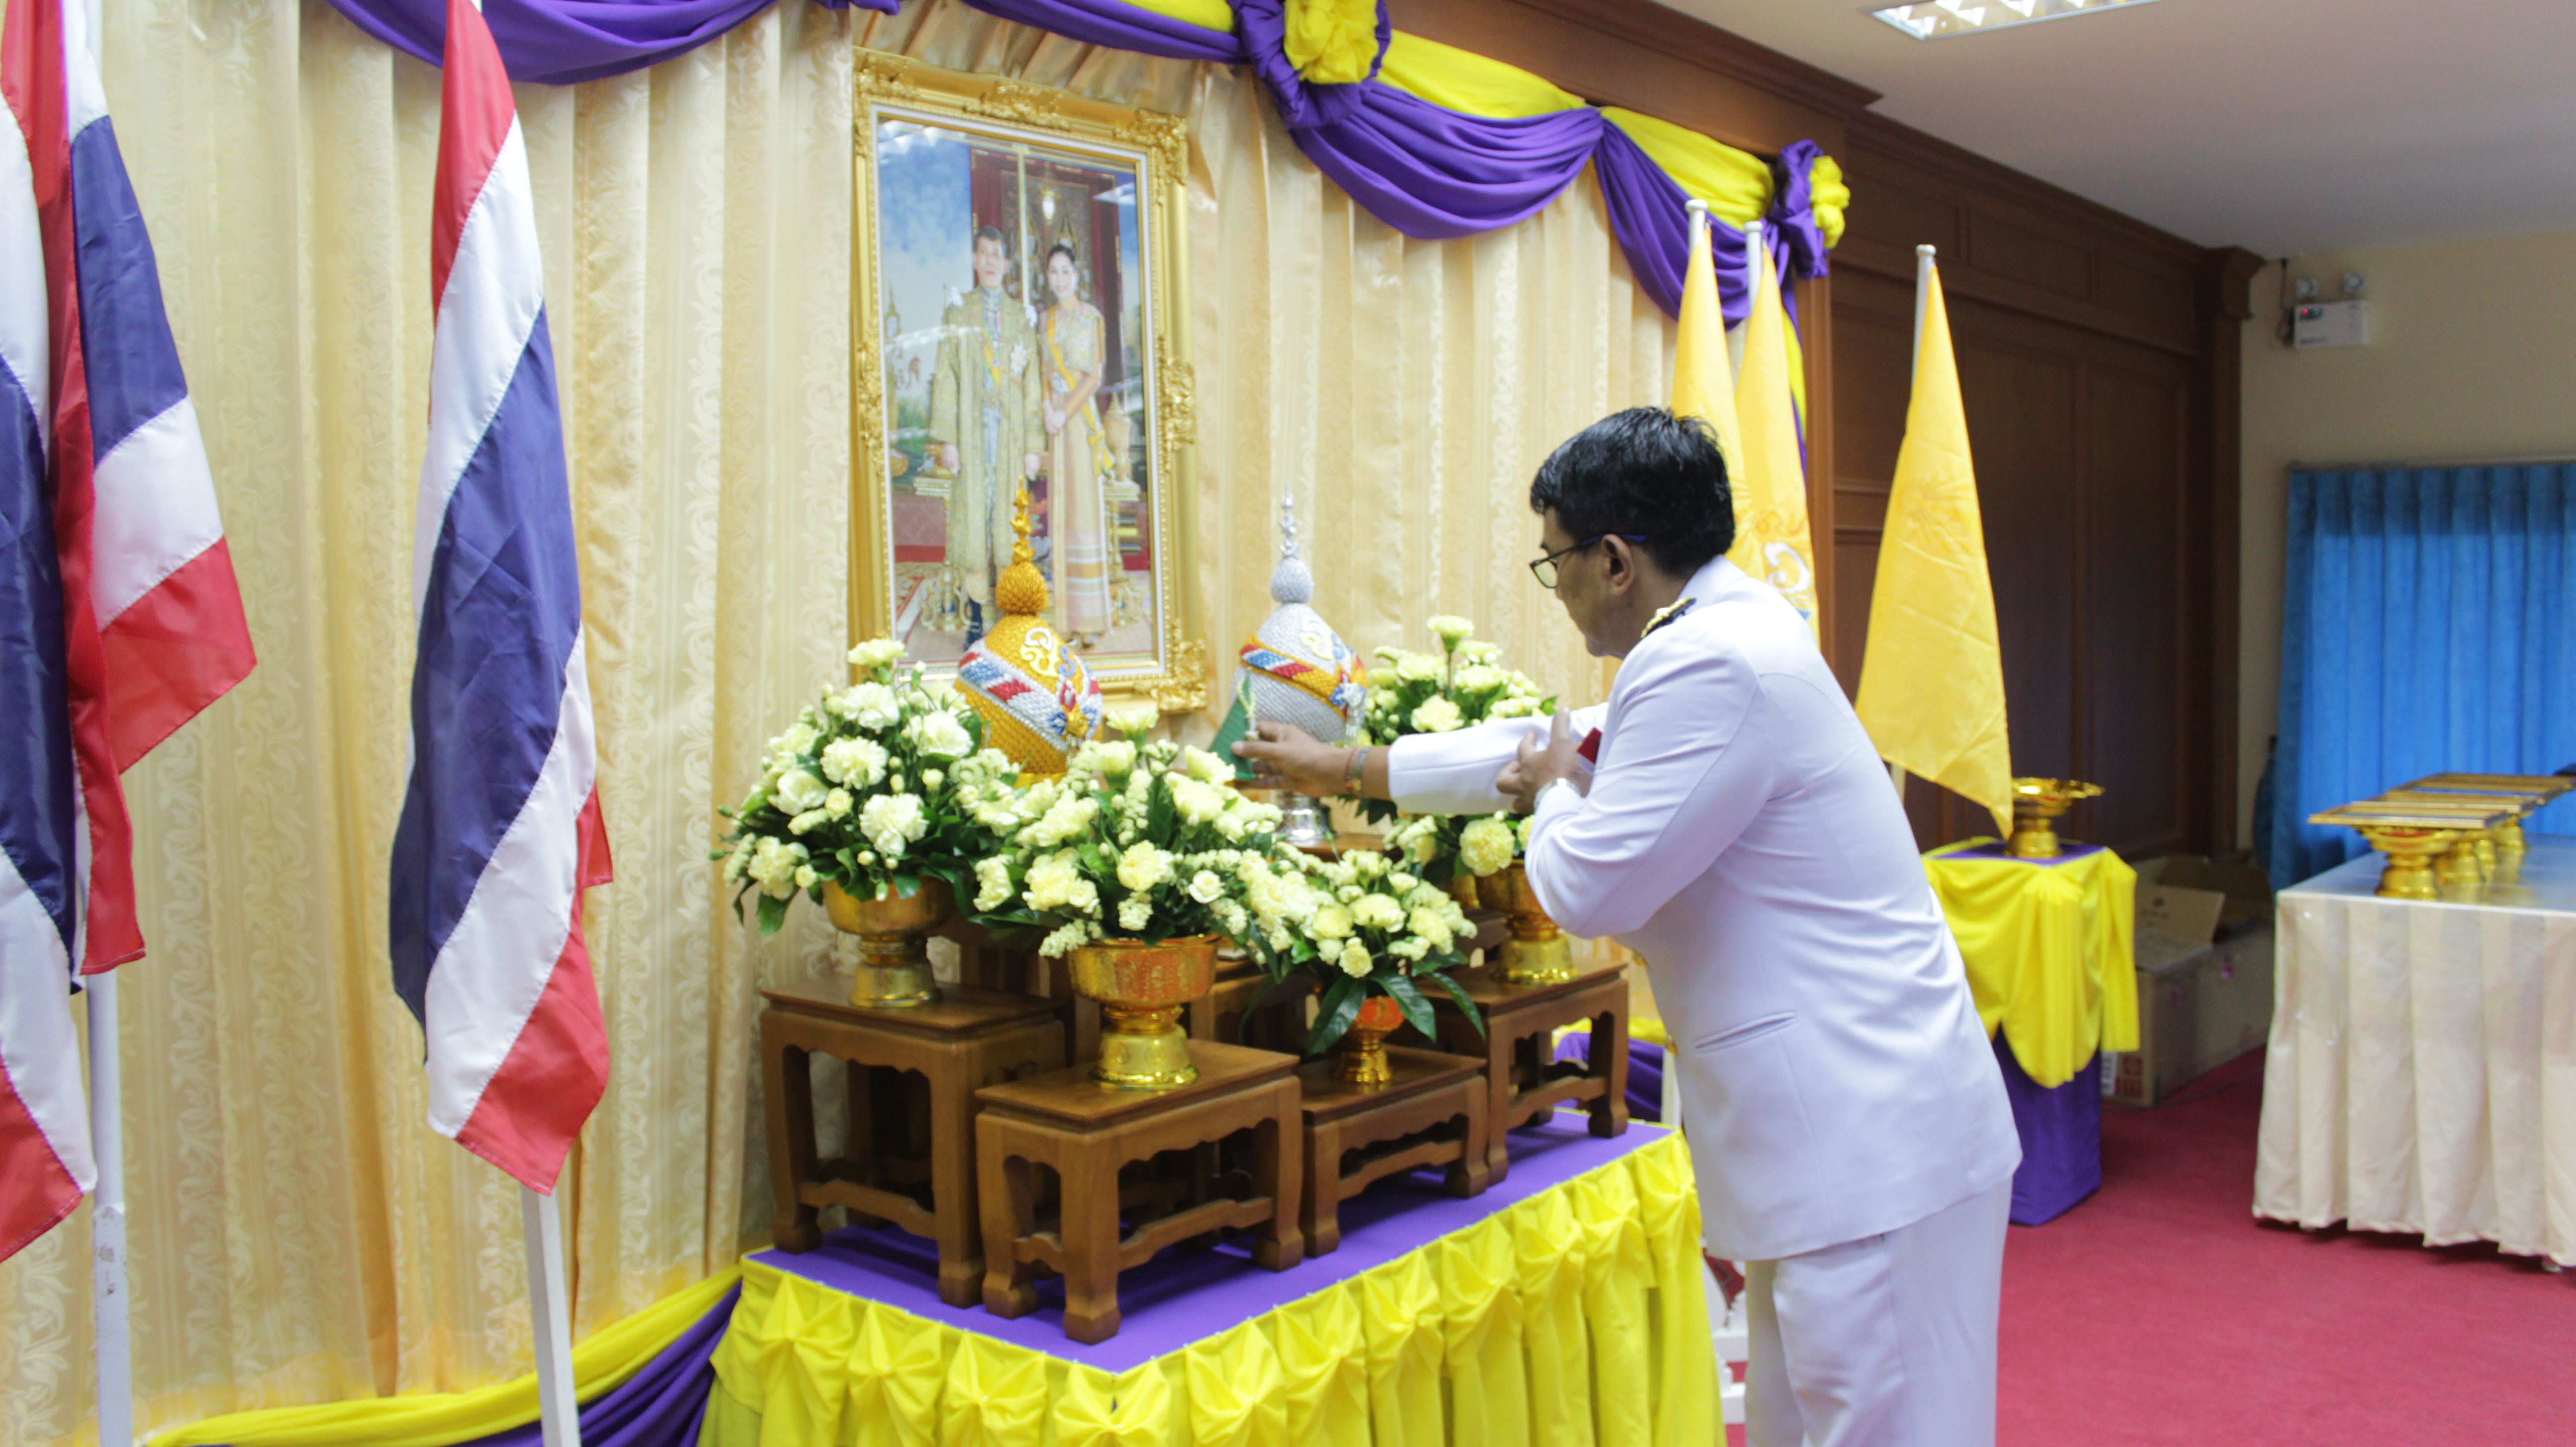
[1932, 682]
[1703, 378]
[1771, 540]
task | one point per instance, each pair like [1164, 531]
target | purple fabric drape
[1427, 171]
[2061, 1138]
[660, 1406]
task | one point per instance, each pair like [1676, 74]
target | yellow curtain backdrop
[297, 1234]
[1578, 1316]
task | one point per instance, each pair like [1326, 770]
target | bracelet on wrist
[1352, 774]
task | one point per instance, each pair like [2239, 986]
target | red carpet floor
[2160, 1311]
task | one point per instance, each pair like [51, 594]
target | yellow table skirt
[1577, 1316]
[2049, 949]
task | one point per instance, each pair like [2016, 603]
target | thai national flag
[119, 616]
[500, 830]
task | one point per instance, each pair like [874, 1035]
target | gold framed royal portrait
[1018, 261]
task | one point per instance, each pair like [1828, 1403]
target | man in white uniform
[1846, 1118]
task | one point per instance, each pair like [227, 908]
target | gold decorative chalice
[2037, 803]
[1141, 986]
[1538, 953]
[891, 933]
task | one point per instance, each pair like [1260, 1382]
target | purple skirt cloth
[2061, 1138]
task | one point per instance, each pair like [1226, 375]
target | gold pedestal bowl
[1538, 953]
[891, 932]
[1141, 986]
[2037, 803]
[1363, 1053]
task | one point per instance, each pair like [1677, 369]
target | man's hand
[1030, 462]
[1287, 757]
[948, 457]
[1538, 767]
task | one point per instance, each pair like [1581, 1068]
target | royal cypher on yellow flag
[1932, 682]
[1771, 540]
[1703, 378]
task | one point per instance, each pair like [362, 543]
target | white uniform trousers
[1888, 1341]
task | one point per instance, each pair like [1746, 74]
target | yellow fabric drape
[1575, 1317]
[1736, 184]
[1331, 42]
[296, 1233]
[1932, 680]
[437, 1419]
[1465, 81]
[2049, 950]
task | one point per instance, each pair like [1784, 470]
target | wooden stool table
[1433, 1113]
[1227, 1012]
[965, 1039]
[1519, 1048]
[1085, 1131]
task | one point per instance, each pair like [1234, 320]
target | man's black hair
[994, 235]
[1647, 473]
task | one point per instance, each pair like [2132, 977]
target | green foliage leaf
[773, 913]
[1408, 998]
[1458, 993]
[1333, 1018]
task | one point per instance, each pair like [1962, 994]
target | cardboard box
[2204, 957]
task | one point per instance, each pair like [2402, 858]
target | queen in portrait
[1080, 461]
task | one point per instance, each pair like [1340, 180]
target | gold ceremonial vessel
[2037, 803]
[1538, 953]
[2532, 791]
[2413, 835]
[1141, 986]
[1363, 1059]
[891, 934]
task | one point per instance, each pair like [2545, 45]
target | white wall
[2472, 356]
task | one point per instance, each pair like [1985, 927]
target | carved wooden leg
[1278, 1172]
[1090, 1233]
[952, 1189]
[1610, 1049]
[1472, 1174]
[790, 1085]
[1009, 1203]
[1319, 1199]
[1498, 1104]
[869, 1089]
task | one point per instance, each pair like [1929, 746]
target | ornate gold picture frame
[1019, 281]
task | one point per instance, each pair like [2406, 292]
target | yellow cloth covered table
[2049, 949]
[1569, 1312]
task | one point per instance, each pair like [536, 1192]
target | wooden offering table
[1085, 1132]
[913, 1073]
[1525, 1079]
[1433, 1113]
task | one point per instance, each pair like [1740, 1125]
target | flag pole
[550, 1303]
[1914, 363]
[110, 1342]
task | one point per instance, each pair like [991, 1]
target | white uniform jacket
[1740, 835]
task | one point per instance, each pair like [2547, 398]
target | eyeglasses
[1544, 569]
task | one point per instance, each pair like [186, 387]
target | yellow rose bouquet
[1360, 926]
[869, 790]
[1421, 693]
[1136, 840]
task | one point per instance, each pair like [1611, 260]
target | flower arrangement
[1135, 840]
[867, 790]
[1361, 925]
[1418, 693]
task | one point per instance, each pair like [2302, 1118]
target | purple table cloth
[1184, 1296]
[2061, 1138]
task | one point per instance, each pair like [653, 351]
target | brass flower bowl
[1141, 986]
[2037, 803]
[1363, 1052]
[1538, 953]
[890, 932]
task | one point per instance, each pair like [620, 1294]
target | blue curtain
[2430, 626]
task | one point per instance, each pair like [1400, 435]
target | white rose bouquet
[869, 789]
[1419, 693]
[1360, 925]
[1136, 840]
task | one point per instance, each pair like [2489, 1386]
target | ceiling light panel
[1941, 19]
